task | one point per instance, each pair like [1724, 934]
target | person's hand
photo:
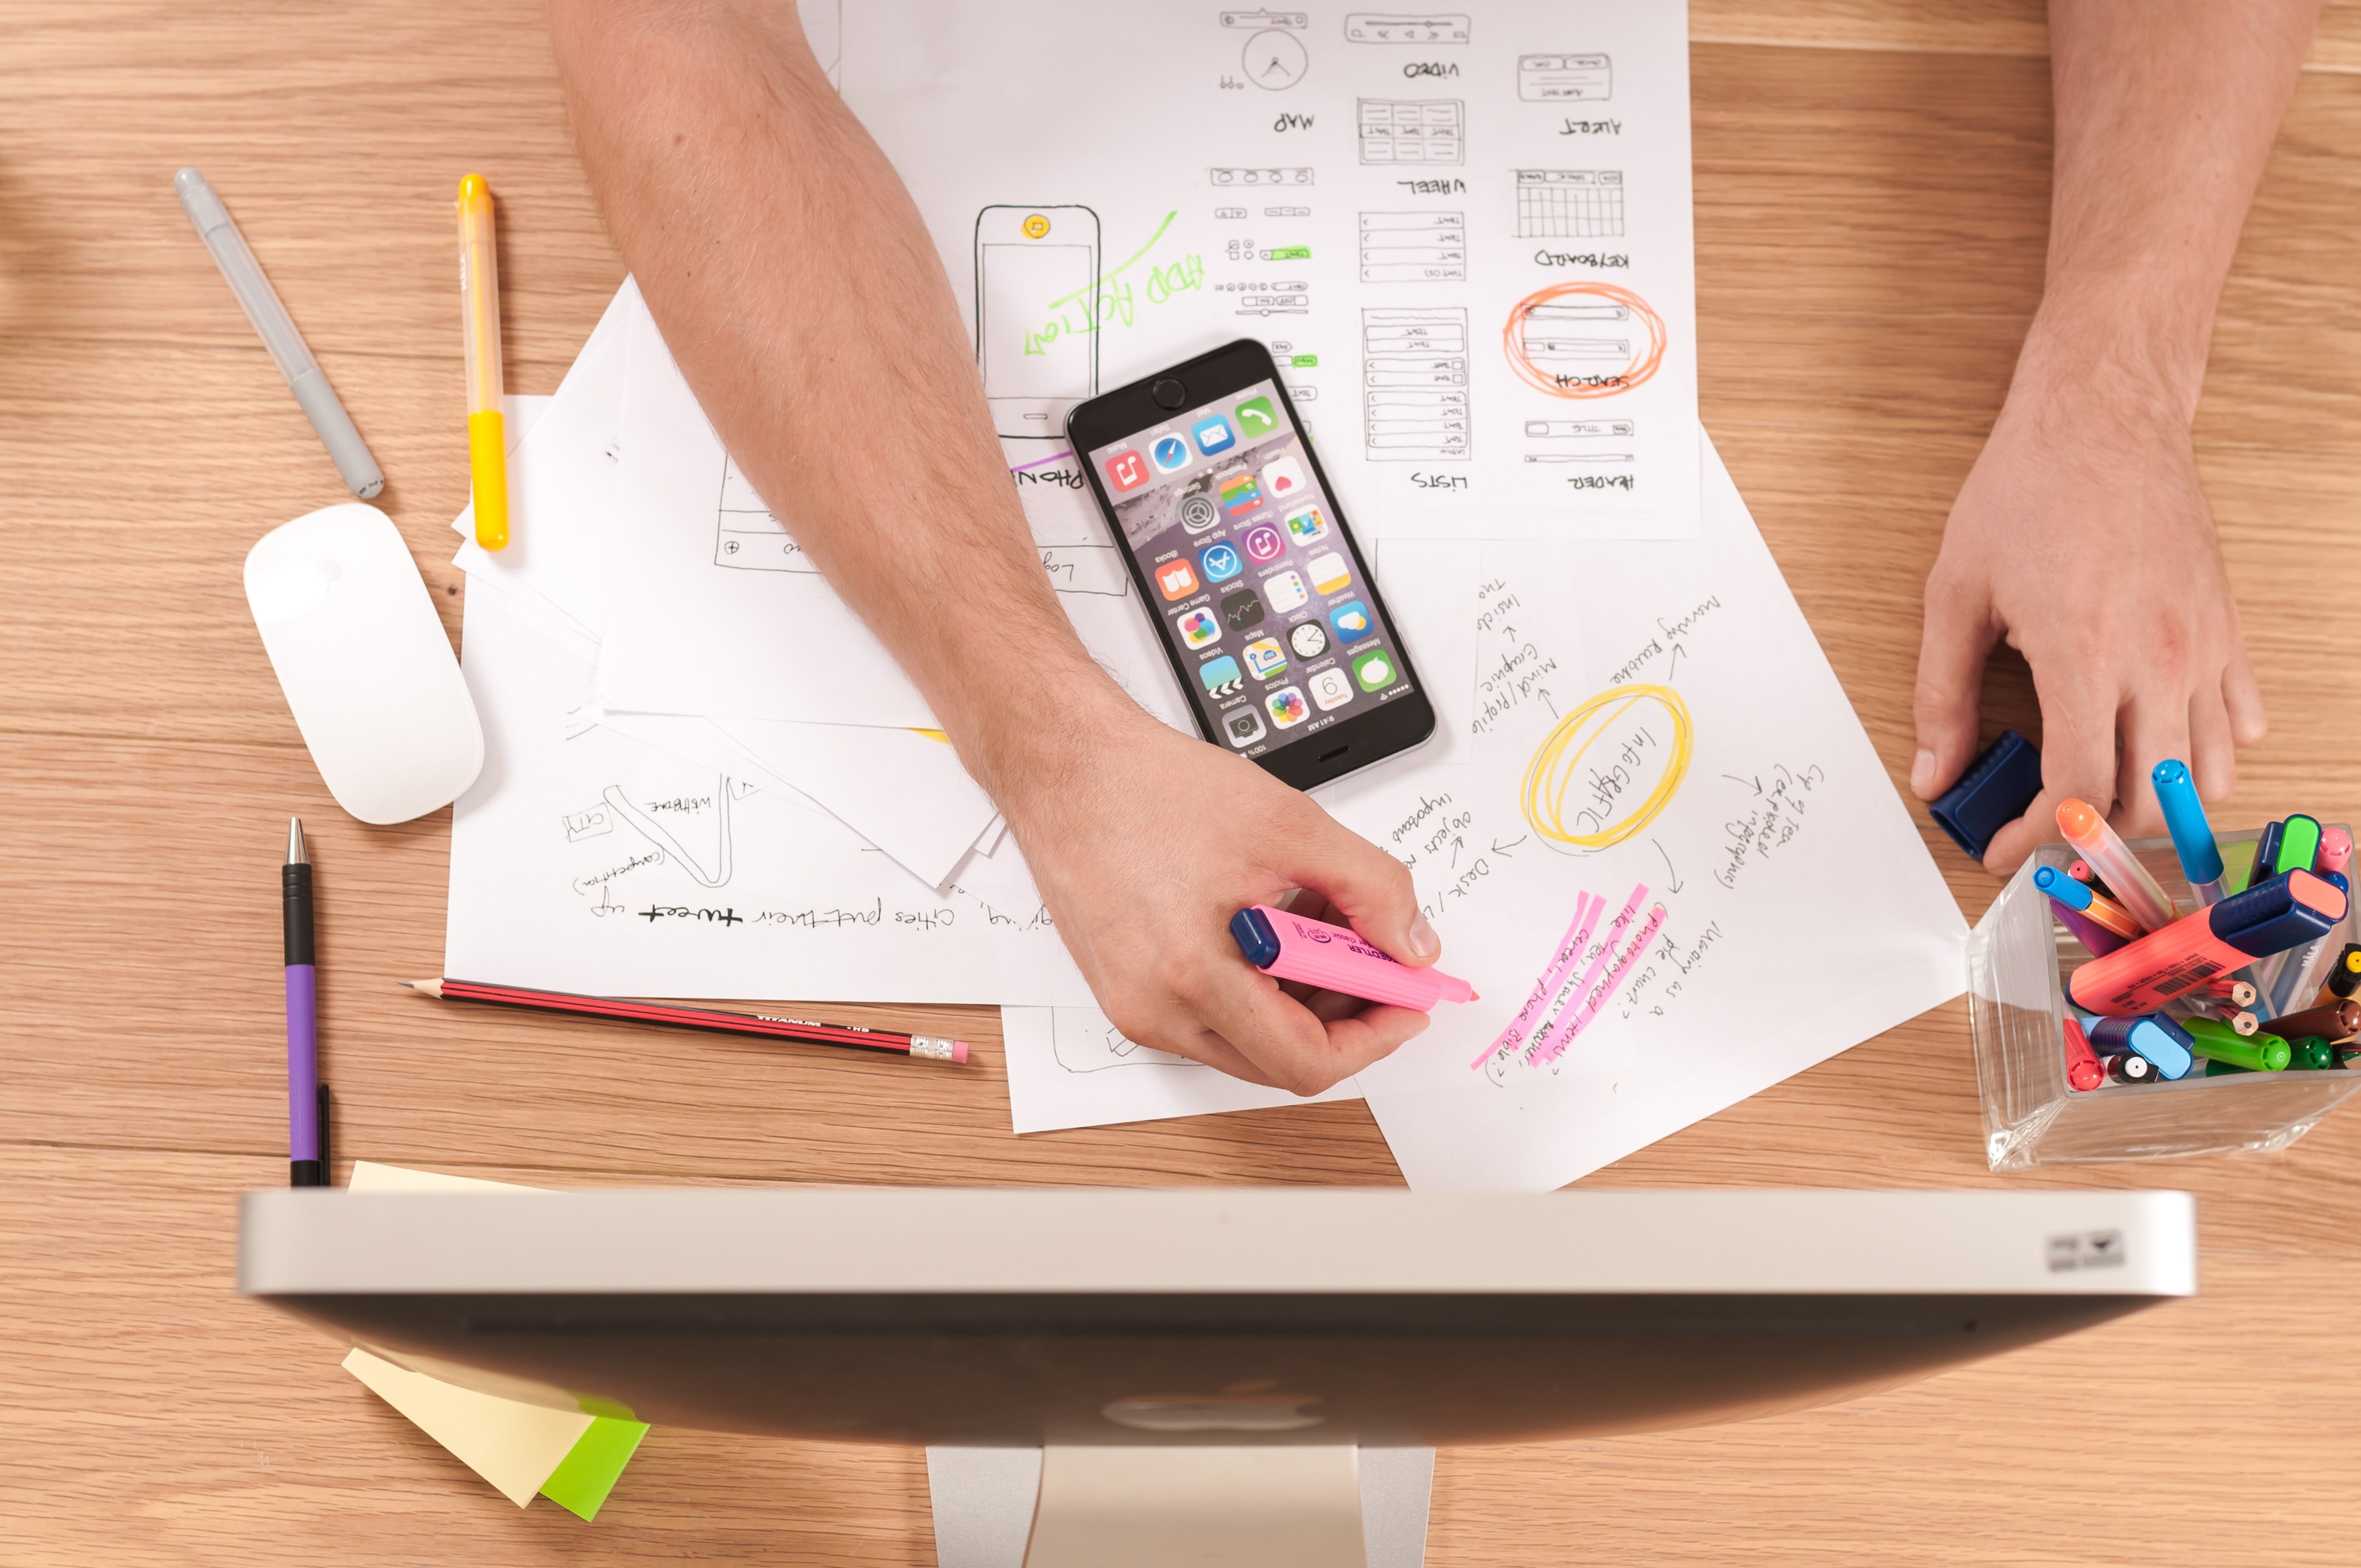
[1145, 842]
[2083, 537]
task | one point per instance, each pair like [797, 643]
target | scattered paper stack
[1646, 820]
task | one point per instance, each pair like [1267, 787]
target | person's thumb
[1370, 890]
[1957, 638]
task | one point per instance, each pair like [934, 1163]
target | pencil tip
[295, 855]
[407, 984]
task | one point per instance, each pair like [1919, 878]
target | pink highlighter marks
[1336, 957]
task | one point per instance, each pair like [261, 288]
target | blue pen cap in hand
[2184, 818]
[1991, 794]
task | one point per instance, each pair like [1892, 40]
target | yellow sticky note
[514, 1446]
[521, 1448]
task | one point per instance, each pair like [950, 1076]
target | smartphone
[1260, 596]
[1036, 342]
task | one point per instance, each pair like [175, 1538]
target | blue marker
[2159, 1040]
[2075, 896]
[2192, 836]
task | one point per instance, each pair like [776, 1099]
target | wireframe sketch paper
[728, 616]
[1650, 857]
[1466, 235]
[583, 859]
[1070, 1066]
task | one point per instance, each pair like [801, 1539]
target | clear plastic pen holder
[2018, 960]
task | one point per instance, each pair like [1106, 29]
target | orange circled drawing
[1552, 334]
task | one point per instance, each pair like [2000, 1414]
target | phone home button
[1168, 393]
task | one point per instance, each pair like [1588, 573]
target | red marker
[2084, 1070]
[2285, 912]
[1338, 957]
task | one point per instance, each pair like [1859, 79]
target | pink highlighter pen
[1338, 957]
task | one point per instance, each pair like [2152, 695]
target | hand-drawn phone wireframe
[1036, 274]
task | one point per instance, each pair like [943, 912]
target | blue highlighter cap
[2062, 887]
[1250, 928]
[1991, 794]
[2184, 818]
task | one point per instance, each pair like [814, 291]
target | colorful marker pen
[2299, 845]
[2087, 931]
[2131, 1067]
[2310, 1054]
[2078, 895]
[2343, 975]
[2192, 836]
[2336, 1021]
[2113, 859]
[1336, 957]
[2300, 972]
[2282, 913]
[2084, 1070]
[2216, 1041]
[2163, 1041]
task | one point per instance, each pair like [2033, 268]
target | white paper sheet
[718, 610]
[1466, 234]
[1664, 787]
[1069, 1067]
[589, 861]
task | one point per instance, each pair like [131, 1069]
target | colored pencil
[927, 1047]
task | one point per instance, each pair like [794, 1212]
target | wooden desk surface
[1871, 180]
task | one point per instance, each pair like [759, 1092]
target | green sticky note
[1292, 253]
[1305, 362]
[590, 1470]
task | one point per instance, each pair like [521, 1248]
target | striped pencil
[927, 1047]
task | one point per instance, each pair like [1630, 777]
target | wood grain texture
[1872, 187]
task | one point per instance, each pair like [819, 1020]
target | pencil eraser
[1991, 794]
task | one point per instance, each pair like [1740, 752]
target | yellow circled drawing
[1035, 227]
[1558, 763]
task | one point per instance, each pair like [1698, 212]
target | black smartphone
[1259, 595]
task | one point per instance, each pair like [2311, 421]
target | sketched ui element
[1413, 247]
[1274, 58]
[1411, 130]
[1414, 383]
[1566, 78]
[1037, 309]
[1406, 26]
[705, 872]
[1569, 204]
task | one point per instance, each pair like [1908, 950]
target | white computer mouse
[352, 632]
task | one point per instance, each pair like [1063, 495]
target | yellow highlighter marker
[479, 299]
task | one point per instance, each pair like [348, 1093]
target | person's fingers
[1959, 636]
[2078, 760]
[1294, 1050]
[2213, 750]
[2242, 694]
[1365, 887]
[2153, 727]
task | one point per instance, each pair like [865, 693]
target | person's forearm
[2165, 111]
[805, 302]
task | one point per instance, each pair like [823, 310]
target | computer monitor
[1220, 1319]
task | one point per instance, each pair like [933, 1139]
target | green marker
[2310, 1054]
[2216, 1041]
[2299, 845]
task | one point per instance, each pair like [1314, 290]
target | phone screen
[1251, 579]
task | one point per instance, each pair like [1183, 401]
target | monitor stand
[1300, 1506]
